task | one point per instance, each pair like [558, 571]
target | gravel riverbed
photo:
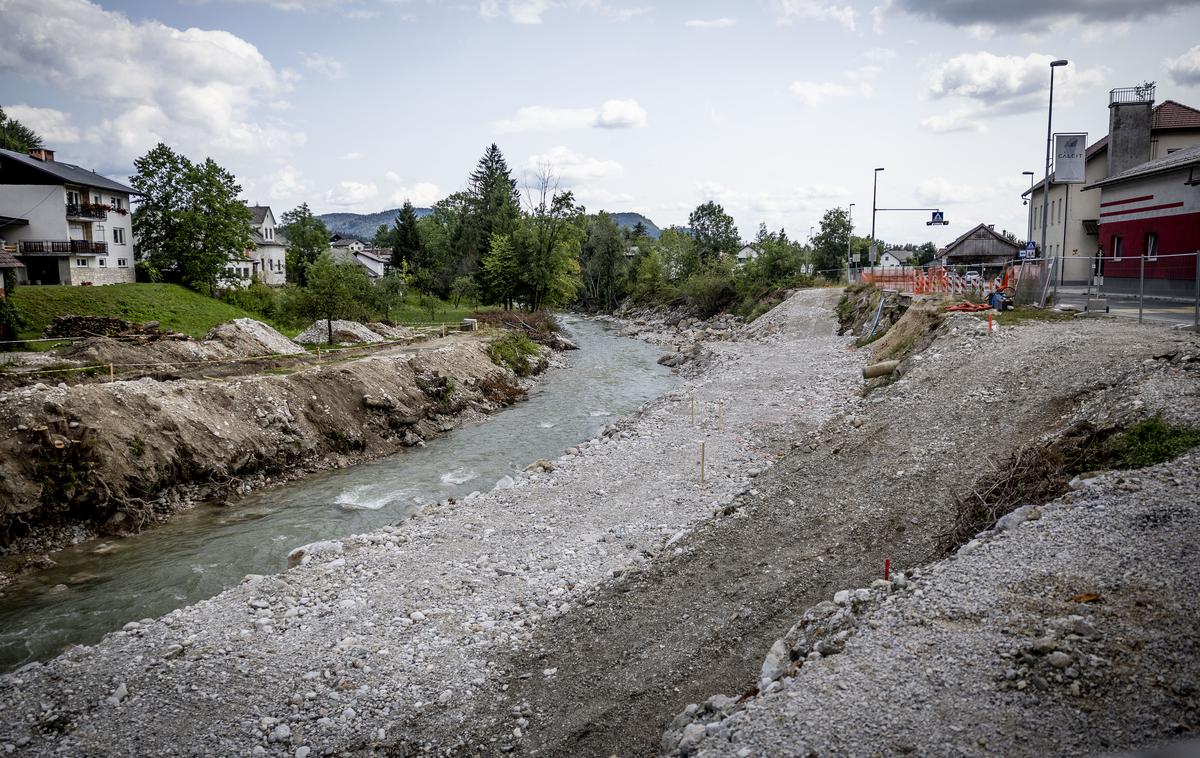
[391, 640]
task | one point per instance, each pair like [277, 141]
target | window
[1116, 247]
[118, 235]
[102, 262]
[99, 235]
[96, 199]
[115, 202]
[1152, 246]
[73, 197]
[122, 263]
[270, 233]
[81, 263]
[1060, 211]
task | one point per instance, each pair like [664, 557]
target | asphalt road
[1173, 312]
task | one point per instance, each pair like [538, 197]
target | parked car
[972, 277]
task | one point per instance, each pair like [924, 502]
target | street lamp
[849, 242]
[1046, 180]
[874, 194]
[1029, 202]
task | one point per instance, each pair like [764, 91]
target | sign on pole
[1030, 250]
[937, 218]
[874, 254]
[1070, 156]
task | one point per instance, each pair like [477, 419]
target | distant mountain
[363, 225]
[630, 220]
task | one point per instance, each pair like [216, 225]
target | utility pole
[1049, 139]
[1031, 175]
[850, 242]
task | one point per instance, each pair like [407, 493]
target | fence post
[1141, 284]
[1196, 306]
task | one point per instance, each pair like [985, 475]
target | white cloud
[710, 23]
[351, 193]
[287, 186]
[325, 65]
[787, 11]
[351, 156]
[938, 191]
[1185, 70]
[53, 126]
[965, 119]
[1008, 83]
[878, 14]
[813, 94]
[571, 167]
[421, 194]
[775, 203]
[613, 114]
[603, 199]
[880, 55]
[199, 89]
[530, 12]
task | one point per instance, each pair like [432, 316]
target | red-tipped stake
[887, 569]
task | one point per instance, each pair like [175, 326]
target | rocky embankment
[115, 456]
[1067, 629]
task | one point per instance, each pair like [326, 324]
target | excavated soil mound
[391, 331]
[245, 336]
[343, 331]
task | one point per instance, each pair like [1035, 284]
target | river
[99, 586]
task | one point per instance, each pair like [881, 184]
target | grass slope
[177, 308]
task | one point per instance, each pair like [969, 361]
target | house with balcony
[63, 223]
[1138, 131]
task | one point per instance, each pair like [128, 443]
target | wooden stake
[111, 378]
[701, 462]
[721, 415]
[318, 353]
[989, 322]
[693, 411]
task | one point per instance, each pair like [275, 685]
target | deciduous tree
[714, 232]
[335, 291]
[307, 238]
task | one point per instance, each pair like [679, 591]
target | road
[1173, 312]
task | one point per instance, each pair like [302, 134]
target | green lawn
[176, 308]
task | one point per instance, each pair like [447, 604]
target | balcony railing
[87, 211]
[1140, 94]
[62, 247]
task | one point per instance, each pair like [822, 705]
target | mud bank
[115, 457]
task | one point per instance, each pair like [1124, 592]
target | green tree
[449, 240]
[714, 232]
[493, 203]
[830, 244]
[307, 238]
[406, 240]
[383, 238]
[16, 136]
[463, 287]
[548, 243]
[602, 263]
[389, 290]
[335, 291]
[189, 220]
[678, 251]
[502, 271]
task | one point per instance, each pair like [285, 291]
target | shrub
[513, 351]
[709, 291]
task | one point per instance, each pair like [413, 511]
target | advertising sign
[1070, 153]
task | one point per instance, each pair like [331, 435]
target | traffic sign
[938, 219]
[1030, 250]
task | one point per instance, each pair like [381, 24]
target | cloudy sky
[778, 109]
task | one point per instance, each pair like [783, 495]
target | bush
[514, 351]
[258, 298]
[1149, 442]
[11, 323]
[709, 291]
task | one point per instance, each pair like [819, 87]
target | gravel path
[1072, 630]
[392, 639]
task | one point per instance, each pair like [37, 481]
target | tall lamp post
[1049, 138]
[849, 242]
[874, 195]
[1031, 175]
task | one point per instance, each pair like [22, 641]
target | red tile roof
[1172, 115]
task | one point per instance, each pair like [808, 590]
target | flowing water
[99, 586]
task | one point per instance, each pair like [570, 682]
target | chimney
[1130, 113]
[41, 154]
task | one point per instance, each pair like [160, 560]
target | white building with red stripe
[1149, 224]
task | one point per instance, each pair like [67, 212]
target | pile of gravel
[391, 331]
[343, 331]
[245, 336]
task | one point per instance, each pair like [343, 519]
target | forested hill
[630, 220]
[363, 225]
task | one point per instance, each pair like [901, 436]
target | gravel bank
[394, 639]
[1071, 629]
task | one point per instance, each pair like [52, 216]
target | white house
[376, 261]
[270, 250]
[352, 246]
[68, 225]
[746, 254]
[895, 258]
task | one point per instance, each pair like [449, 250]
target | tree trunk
[329, 328]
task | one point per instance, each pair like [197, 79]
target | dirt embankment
[116, 456]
